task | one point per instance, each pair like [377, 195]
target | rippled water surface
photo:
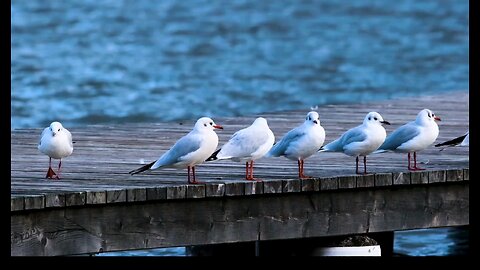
[113, 61]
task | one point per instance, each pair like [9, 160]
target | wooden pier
[97, 206]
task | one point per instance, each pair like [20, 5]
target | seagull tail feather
[214, 155]
[142, 169]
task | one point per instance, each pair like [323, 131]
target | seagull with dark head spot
[55, 142]
[248, 144]
[189, 151]
[413, 136]
[361, 140]
[301, 142]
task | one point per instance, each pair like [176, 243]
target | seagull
[301, 142]
[55, 142]
[361, 140]
[414, 136]
[459, 141]
[190, 150]
[247, 144]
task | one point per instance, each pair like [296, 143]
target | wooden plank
[176, 192]
[136, 195]
[34, 202]
[364, 181]
[96, 197]
[234, 189]
[291, 185]
[55, 200]
[454, 175]
[383, 179]
[195, 191]
[75, 198]
[436, 176]
[312, 184]
[466, 174]
[237, 219]
[272, 186]
[116, 196]
[116, 153]
[254, 188]
[346, 182]
[17, 203]
[50, 233]
[156, 193]
[215, 190]
[401, 178]
[419, 177]
[329, 183]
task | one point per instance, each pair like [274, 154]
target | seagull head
[313, 117]
[55, 127]
[426, 116]
[260, 121]
[206, 123]
[374, 118]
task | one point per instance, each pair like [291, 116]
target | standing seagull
[247, 144]
[190, 150]
[301, 142]
[55, 142]
[459, 141]
[413, 136]
[361, 140]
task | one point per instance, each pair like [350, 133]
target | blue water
[113, 62]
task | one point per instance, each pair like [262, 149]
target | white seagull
[459, 141]
[55, 142]
[301, 142]
[190, 150]
[361, 140]
[247, 144]
[414, 136]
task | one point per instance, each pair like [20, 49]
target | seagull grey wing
[181, 148]
[353, 135]
[45, 130]
[243, 145]
[69, 137]
[279, 148]
[400, 136]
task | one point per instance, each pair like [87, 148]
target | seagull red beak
[218, 126]
[437, 118]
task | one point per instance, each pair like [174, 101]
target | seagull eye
[58, 129]
[375, 119]
[211, 124]
[369, 118]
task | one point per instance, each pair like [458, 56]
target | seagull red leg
[365, 165]
[50, 173]
[59, 169]
[194, 178]
[250, 172]
[415, 162]
[302, 174]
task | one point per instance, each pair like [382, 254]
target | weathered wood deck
[98, 206]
